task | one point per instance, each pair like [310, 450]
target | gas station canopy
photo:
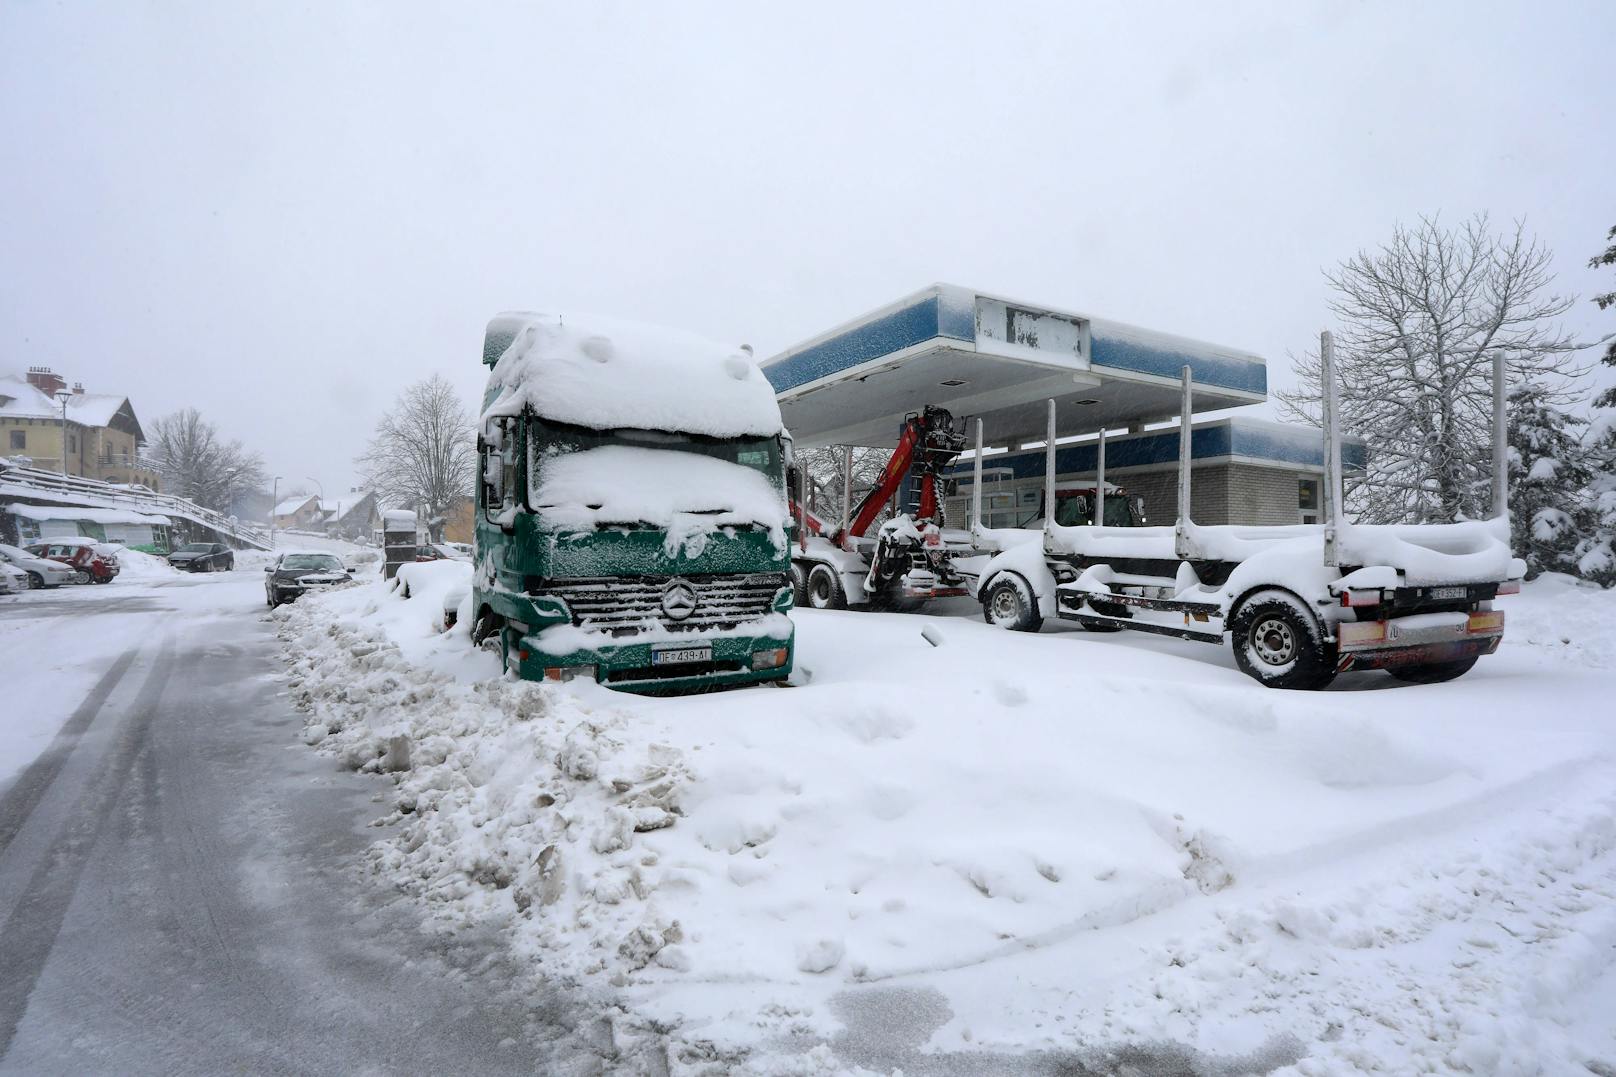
[999, 360]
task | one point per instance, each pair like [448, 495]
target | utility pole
[274, 503]
[64, 395]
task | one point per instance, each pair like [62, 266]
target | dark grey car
[294, 573]
[203, 557]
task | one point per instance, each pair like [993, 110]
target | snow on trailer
[1298, 604]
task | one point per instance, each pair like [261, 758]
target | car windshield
[311, 562]
[195, 547]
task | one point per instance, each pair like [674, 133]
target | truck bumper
[629, 667]
[1432, 639]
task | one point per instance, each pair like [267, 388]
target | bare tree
[1422, 318]
[825, 469]
[423, 452]
[195, 462]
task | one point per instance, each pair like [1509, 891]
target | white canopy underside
[866, 405]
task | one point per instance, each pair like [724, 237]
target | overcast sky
[281, 213]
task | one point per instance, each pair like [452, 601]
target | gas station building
[1000, 360]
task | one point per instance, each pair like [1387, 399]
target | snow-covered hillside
[1071, 839]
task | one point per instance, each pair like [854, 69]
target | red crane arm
[892, 477]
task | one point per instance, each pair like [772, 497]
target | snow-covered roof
[94, 516]
[608, 374]
[292, 504]
[19, 399]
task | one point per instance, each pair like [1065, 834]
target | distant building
[460, 522]
[353, 515]
[103, 436]
[302, 512]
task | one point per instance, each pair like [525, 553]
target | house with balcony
[54, 428]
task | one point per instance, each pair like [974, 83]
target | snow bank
[1227, 865]
[686, 494]
[136, 565]
[605, 374]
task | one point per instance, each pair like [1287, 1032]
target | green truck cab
[632, 522]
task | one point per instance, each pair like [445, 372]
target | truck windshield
[1075, 510]
[761, 454]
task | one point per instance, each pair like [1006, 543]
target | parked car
[12, 580]
[442, 551]
[37, 571]
[298, 571]
[203, 557]
[91, 561]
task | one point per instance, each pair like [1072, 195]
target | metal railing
[71, 491]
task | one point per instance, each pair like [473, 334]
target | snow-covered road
[177, 884]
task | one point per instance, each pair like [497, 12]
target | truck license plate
[679, 656]
[1442, 594]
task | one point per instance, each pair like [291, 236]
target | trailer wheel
[1278, 642]
[1009, 603]
[1432, 672]
[799, 584]
[825, 590]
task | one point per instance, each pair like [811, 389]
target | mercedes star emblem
[678, 600]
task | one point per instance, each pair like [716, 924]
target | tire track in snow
[18, 804]
[29, 934]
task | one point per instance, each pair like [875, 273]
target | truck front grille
[626, 605]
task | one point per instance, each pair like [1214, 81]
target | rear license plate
[680, 656]
[1442, 594]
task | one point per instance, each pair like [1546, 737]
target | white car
[12, 581]
[37, 571]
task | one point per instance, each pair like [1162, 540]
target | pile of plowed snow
[930, 814]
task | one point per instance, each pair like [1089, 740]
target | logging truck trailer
[1297, 604]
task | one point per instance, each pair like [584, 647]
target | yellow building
[104, 438]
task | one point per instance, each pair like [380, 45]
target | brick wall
[1262, 495]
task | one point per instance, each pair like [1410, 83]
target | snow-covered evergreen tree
[1596, 552]
[1548, 474]
[1607, 257]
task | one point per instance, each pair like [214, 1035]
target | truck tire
[487, 626]
[1279, 643]
[1010, 604]
[1433, 672]
[799, 584]
[825, 590]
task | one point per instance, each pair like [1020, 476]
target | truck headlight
[772, 659]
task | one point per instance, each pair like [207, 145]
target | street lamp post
[274, 503]
[64, 396]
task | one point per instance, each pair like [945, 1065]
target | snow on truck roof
[608, 374]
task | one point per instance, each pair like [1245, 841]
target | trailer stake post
[1329, 403]
[1181, 537]
[847, 496]
[1049, 470]
[976, 483]
[1099, 482]
[1500, 440]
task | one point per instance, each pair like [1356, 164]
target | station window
[1307, 501]
[19, 439]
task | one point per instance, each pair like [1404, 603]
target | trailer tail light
[1357, 633]
[1350, 597]
[769, 659]
[1510, 587]
[1488, 621]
